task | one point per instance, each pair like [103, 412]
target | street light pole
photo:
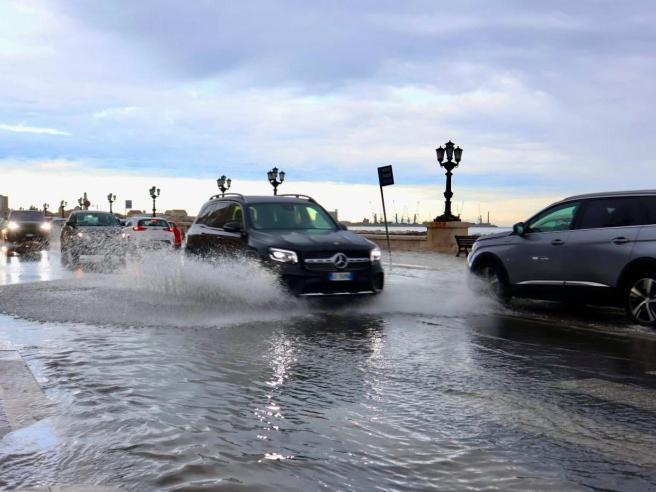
[154, 193]
[276, 178]
[453, 157]
[62, 208]
[224, 184]
[46, 206]
[111, 199]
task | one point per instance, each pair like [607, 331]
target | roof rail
[298, 195]
[221, 195]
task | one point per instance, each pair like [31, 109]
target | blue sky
[546, 98]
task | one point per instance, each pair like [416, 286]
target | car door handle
[557, 242]
[619, 240]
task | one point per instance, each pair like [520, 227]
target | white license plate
[340, 276]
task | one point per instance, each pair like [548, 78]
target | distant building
[334, 214]
[4, 206]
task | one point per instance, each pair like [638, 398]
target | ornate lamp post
[84, 202]
[223, 183]
[62, 208]
[111, 199]
[46, 206]
[453, 156]
[276, 179]
[154, 193]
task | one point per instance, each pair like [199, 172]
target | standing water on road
[178, 375]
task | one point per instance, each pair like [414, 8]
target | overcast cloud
[550, 98]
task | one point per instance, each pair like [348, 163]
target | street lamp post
[154, 193]
[453, 156]
[62, 208]
[84, 202]
[111, 199]
[224, 184]
[276, 178]
[46, 206]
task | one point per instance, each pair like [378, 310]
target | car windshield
[29, 215]
[289, 216]
[93, 219]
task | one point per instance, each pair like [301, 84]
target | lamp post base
[447, 218]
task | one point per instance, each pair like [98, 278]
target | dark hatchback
[91, 237]
[312, 253]
[26, 231]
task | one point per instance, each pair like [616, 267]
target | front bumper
[303, 282]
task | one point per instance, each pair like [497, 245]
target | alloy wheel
[491, 278]
[642, 300]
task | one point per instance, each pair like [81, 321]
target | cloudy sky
[547, 99]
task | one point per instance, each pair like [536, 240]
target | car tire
[494, 280]
[640, 298]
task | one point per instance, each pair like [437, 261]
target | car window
[289, 216]
[153, 223]
[222, 212]
[558, 218]
[93, 219]
[649, 208]
[28, 215]
[610, 212]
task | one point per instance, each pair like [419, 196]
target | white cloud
[21, 128]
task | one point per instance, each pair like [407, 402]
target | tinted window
[153, 223]
[649, 208]
[29, 215]
[289, 216]
[93, 219]
[558, 218]
[610, 212]
[220, 213]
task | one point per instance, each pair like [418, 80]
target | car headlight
[13, 226]
[46, 226]
[81, 234]
[283, 255]
[375, 254]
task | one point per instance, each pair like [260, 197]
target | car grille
[323, 261]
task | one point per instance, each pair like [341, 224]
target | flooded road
[179, 376]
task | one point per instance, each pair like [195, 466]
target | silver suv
[598, 248]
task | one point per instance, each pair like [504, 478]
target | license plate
[29, 235]
[340, 276]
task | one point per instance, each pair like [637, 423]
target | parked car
[294, 235]
[91, 237]
[26, 231]
[598, 248]
[143, 233]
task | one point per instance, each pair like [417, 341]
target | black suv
[313, 254]
[25, 231]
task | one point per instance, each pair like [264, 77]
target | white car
[147, 233]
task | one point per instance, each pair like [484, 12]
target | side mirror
[520, 229]
[342, 227]
[233, 226]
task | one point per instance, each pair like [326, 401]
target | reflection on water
[322, 400]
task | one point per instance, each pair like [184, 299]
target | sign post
[385, 178]
[128, 206]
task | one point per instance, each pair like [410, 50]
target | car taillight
[138, 228]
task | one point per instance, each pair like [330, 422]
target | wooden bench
[465, 243]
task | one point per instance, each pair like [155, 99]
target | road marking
[635, 396]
